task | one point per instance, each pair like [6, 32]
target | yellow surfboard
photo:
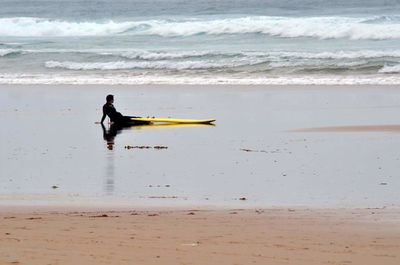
[171, 125]
[170, 120]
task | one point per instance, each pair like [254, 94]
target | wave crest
[160, 65]
[286, 27]
[165, 55]
[40, 27]
[8, 52]
[390, 69]
[156, 55]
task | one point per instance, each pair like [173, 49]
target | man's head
[110, 98]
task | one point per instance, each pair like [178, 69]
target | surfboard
[171, 120]
[170, 125]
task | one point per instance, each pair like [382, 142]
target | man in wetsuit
[115, 117]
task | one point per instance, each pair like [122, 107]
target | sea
[200, 42]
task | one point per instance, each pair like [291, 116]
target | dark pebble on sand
[160, 147]
[151, 215]
[101, 215]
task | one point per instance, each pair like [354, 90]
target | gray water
[245, 42]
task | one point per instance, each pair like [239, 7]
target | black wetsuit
[114, 115]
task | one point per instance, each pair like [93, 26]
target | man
[115, 117]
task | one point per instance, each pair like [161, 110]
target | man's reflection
[110, 134]
[109, 174]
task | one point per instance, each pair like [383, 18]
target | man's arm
[102, 119]
[104, 116]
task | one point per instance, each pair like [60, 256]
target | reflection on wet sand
[110, 174]
[110, 133]
[109, 136]
[356, 128]
[114, 129]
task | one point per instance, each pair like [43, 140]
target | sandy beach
[176, 236]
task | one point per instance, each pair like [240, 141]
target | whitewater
[174, 42]
[374, 27]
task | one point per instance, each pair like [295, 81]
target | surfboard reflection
[110, 134]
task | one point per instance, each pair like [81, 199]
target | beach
[301, 165]
[199, 236]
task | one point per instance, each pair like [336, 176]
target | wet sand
[296, 236]
[312, 146]
[362, 128]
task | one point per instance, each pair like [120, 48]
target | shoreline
[54, 201]
[219, 85]
[383, 79]
[127, 206]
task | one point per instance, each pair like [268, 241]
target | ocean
[199, 42]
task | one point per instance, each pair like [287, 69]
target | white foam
[4, 52]
[390, 69]
[382, 19]
[288, 27]
[359, 54]
[163, 55]
[319, 64]
[214, 60]
[163, 65]
[154, 55]
[205, 80]
[38, 27]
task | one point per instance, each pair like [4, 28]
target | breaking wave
[390, 69]
[374, 28]
[124, 65]
[238, 66]
[8, 52]
[165, 55]
[155, 55]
